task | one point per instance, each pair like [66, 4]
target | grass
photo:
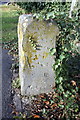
[9, 22]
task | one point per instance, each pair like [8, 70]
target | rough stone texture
[35, 68]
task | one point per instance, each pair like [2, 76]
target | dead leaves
[73, 83]
[47, 102]
[15, 112]
[54, 105]
[36, 116]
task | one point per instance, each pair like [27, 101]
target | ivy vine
[67, 61]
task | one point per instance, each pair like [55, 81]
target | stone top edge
[24, 18]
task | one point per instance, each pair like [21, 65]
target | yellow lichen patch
[28, 51]
[32, 66]
[28, 48]
[38, 62]
[24, 62]
[36, 57]
[45, 54]
[23, 59]
[20, 33]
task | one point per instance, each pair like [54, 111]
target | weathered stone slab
[35, 63]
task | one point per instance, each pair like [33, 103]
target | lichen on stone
[45, 54]
[29, 44]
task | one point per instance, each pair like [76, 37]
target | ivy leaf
[72, 36]
[55, 67]
[50, 15]
[62, 106]
[52, 51]
[65, 49]
[76, 110]
[51, 101]
[62, 57]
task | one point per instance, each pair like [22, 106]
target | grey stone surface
[35, 40]
[6, 85]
